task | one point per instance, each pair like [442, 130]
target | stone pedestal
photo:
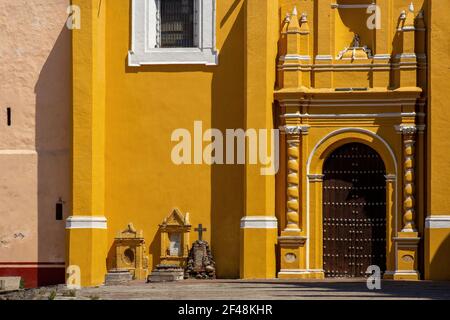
[291, 246]
[164, 273]
[118, 277]
[407, 261]
[130, 253]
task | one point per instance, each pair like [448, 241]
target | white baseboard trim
[437, 222]
[86, 222]
[259, 222]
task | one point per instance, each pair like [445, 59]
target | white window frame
[143, 51]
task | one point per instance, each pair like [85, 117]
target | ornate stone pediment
[129, 233]
[176, 219]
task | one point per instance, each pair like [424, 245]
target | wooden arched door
[354, 211]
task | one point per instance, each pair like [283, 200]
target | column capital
[406, 129]
[315, 177]
[391, 177]
[295, 130]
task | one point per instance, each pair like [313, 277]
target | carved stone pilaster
[409, 139]
[293, 139]
[291, 241]
[292, 182]
[407, 239]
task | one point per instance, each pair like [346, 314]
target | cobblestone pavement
[238, 290]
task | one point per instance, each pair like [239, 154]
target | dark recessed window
[8, 116]
[177, 23]
[59, 210]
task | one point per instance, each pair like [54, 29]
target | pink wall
[35, 167]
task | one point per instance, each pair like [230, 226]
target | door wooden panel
[354, 211]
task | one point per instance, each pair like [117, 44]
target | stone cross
[200, 230]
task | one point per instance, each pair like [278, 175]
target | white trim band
[10, 152]
[259, 222]
[299, 271]
[437, 222]
[351, 6]
[86, 222]
[349, 115]
[293, 271]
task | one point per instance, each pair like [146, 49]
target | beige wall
[35, 77]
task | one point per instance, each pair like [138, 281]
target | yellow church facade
[356, 89]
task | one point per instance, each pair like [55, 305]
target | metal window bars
[177, 23]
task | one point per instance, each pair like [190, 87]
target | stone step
[9, 283]
[118, 277]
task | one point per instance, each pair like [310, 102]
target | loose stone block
[118, 277]
[9, 283]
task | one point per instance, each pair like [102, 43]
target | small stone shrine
[174, 233]
[200, 263]
[129, 261]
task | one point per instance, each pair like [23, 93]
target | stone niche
[130, 253]
[174, 232]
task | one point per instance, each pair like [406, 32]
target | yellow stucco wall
[437, 245]
[143, 106]
[124, 117]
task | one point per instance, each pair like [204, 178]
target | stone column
[292, 179]
[409, 139]
[407, 240]
[291, 240]
[259, 226]
[87, 236]
[293, 147]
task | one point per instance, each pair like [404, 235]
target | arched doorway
[354, 211]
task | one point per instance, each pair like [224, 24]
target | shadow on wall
[53, 144]
[439, 265]
[227, 181]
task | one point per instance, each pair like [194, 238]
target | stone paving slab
[244, 290]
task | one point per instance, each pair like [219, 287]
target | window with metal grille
[173, 32]
[177, 21]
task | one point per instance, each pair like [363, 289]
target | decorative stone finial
[287, 19]
[294, 24]
[304, 17]
[403, 15]
[409, 19]
[131, 227]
